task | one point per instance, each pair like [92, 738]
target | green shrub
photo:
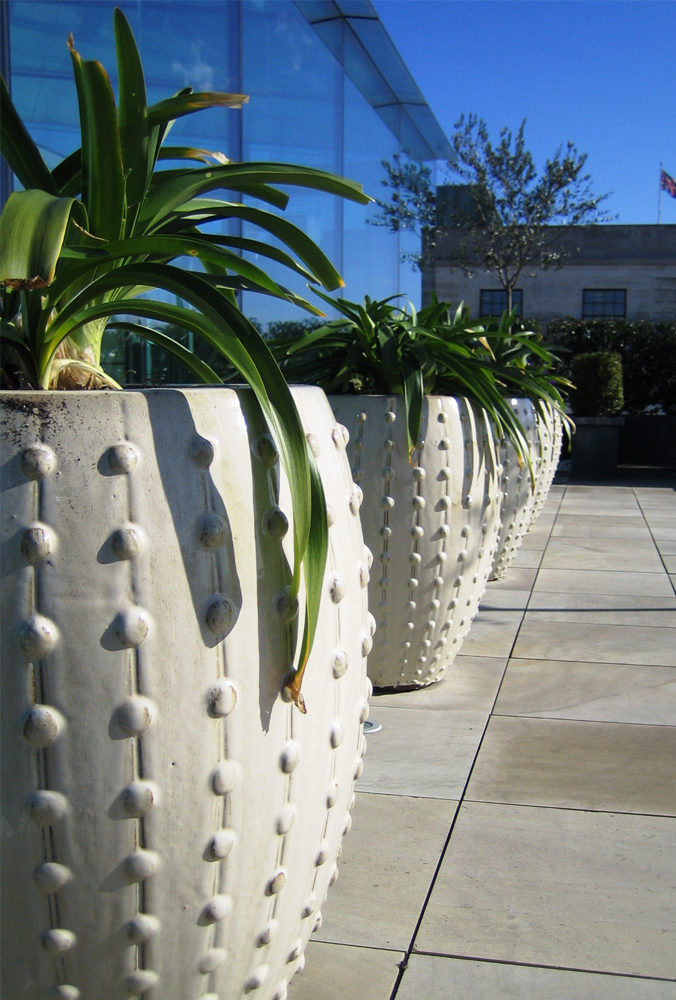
[597, 377]
[648, 356]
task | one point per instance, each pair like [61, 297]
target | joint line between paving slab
[587, 810]
[462, 957]
[404, 963]
[652, 536]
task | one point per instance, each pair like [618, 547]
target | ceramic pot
[171, 823]
[431, 523]
[518, 490]
[549, 429]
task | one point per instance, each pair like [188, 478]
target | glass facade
[311, 102]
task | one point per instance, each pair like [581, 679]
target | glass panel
[371, 261]
[493, 301]
[302, 109]
[294, 115]
[604, 302]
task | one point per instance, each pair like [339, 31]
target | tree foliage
[513, 216]
[517, 212]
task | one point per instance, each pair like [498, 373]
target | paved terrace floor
[514, 833]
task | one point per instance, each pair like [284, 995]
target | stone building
[607, 271]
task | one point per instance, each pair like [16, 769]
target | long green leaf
[314, 566]
[237, 176]
[132, 115]
[187, 103]
[233, 336]
[102, 169]
[33, 227]
[21, 153]
[294, 239]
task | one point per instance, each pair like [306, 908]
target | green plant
[648, 352]
[380, 347]
[527, 366]
[114, 222]
[598, 384]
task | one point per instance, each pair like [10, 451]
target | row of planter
[441, 523]
[171, 823]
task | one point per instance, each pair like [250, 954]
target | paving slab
[591, 508]
[385, 871]
[552, 771]
[600, 643]
[578, 526]
[422, 752]
[469, 685]
[528, 557]
[616, 767]
[516, 578]
[661, 522]
[611, 692]
[503, 598]
[602, 609]
[602, 553]
[538, 536]
[556, 887]
[599, 582]
[430, 977]
[492, 633]
[338, 972]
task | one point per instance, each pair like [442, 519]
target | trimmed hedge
[648, 352]
[597, 377]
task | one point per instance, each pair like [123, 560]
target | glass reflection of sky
[302, 109]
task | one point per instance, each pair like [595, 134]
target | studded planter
[431, 523]
[518, 495]
[170, 823]
[549, 429]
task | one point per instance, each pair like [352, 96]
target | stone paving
[514, 834]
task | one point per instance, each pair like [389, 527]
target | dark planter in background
[595, 447]
[648, 439]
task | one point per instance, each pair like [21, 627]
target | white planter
[550, 436]
[518, 495]
[431, 524]
[170, 824]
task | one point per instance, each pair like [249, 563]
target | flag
[667, 183]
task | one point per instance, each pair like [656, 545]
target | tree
[513, 217]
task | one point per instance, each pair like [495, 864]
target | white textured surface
[431, 523]
[169, 821]
[518, 491]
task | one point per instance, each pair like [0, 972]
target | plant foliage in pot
[526, 366]
[171, 822]
[424, 409]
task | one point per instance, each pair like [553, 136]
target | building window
[599, 303]
[493, 301]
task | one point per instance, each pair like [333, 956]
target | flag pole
[659, 199]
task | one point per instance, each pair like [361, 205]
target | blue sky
[601, 73]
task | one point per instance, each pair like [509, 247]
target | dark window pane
[604, 302]
[493, 301]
